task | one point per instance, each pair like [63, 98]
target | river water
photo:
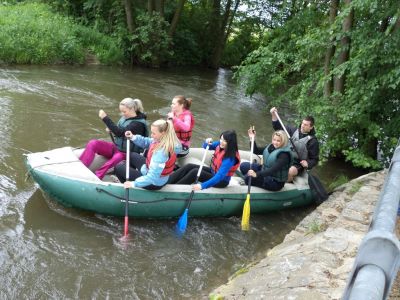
[49, 251]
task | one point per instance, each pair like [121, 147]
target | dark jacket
[283, 160]
[135, 127]
[312, 144]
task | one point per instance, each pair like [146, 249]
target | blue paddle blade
[182, 223]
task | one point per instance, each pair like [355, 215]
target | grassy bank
[32, 34]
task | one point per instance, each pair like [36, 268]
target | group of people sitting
[154, 154]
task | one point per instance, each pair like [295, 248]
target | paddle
[126, 225]
[320, 193]
[112, 137]
[246, 206]
[182, 222]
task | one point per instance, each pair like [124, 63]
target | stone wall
[315, 259]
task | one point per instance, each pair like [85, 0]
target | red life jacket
[217, 161]
[169, 165]
[184, 136]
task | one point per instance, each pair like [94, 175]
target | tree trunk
[223, 33]
[384, 24]
[397, 25]
[160, 7]
[339, 83]
[151, 6]
[175, 19]
[229, 26]
[215, 30]
[330, 52]
[129, 18]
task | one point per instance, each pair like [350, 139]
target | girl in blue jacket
[224, 163]
[152, 172]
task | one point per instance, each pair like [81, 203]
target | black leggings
[188, 173]
[135, 164]
[265, 182]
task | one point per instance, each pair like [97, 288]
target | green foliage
[244, 39]
[290, 66]
[150, 41]
[186, 49]
[314, 227]
[106, 49]
[355, 187]
[215, 297]
[32, 34]
[191, 43]
[338, 181]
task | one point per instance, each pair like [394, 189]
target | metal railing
[378, 258]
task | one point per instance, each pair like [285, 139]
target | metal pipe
[378, 257]
[363, 288]
[385, 217]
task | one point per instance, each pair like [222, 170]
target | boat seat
[51, 160]
[188, 160]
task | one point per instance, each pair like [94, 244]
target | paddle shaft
[198, 175]
[251, 161]
[290, 138]
[126, 225]
[112, 137]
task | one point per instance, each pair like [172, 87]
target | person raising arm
[306, 143]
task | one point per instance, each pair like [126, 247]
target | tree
[345, 41]
[221, 30]
[175, 19]
[330, 52]
[129, 15]
[362, 116]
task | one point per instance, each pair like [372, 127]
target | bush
[32, 34]
[150, 41]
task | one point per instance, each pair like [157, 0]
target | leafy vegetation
[335, 59]
[352, 91]
[186, 32]
[314, 227]
[150, 41]
[32, 34]
[338, 181]
[355, 187]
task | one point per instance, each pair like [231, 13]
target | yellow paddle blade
[246, 214]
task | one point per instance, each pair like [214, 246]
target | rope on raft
[100, 190]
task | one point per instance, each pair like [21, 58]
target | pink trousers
[106, 149]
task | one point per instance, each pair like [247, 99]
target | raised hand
[251, 132]
[102, 114]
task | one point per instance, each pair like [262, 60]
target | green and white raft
[62, 176]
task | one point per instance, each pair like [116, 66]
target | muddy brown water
[49, 251]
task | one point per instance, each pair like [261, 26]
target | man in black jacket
[306, 150]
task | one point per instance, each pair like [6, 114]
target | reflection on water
[49, 251]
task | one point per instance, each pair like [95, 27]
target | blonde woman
[132, 119]
[277, 158]
[152, 172]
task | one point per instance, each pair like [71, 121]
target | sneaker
[114, 179]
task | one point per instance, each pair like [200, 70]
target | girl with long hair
[224, 163]
[151, 172]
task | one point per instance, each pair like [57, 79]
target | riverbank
[315, 259]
